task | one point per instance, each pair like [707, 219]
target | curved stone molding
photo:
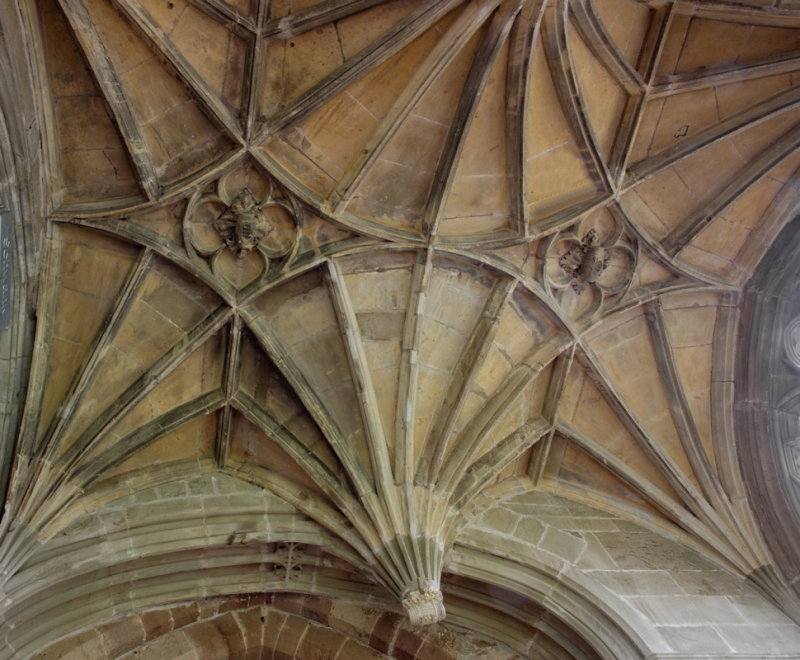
[288, 625]
[767, 399]
[623, 598]
[791, 342]
[22, 193]
[792, 457]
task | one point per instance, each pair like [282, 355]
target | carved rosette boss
[589, 265]
[241, 226]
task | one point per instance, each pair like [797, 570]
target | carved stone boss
[590, 265]
[242, 225]
[584, 261]
[241, 233]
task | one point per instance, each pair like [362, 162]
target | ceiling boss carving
[590, 265]
[242, 225]
[585, 261]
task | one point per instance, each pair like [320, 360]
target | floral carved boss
[589, 265]
[242, 226]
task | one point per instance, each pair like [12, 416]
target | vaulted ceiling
[366, 271]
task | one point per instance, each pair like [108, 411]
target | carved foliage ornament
[243, 225]
[424, 605]
[590, 265]
[289, 560]
[585, 261]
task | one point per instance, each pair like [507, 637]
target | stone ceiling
[327, 293]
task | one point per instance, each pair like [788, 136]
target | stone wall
[668, 598]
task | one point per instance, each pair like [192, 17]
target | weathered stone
[458, 283]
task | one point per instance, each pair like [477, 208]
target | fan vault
[402, 327]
